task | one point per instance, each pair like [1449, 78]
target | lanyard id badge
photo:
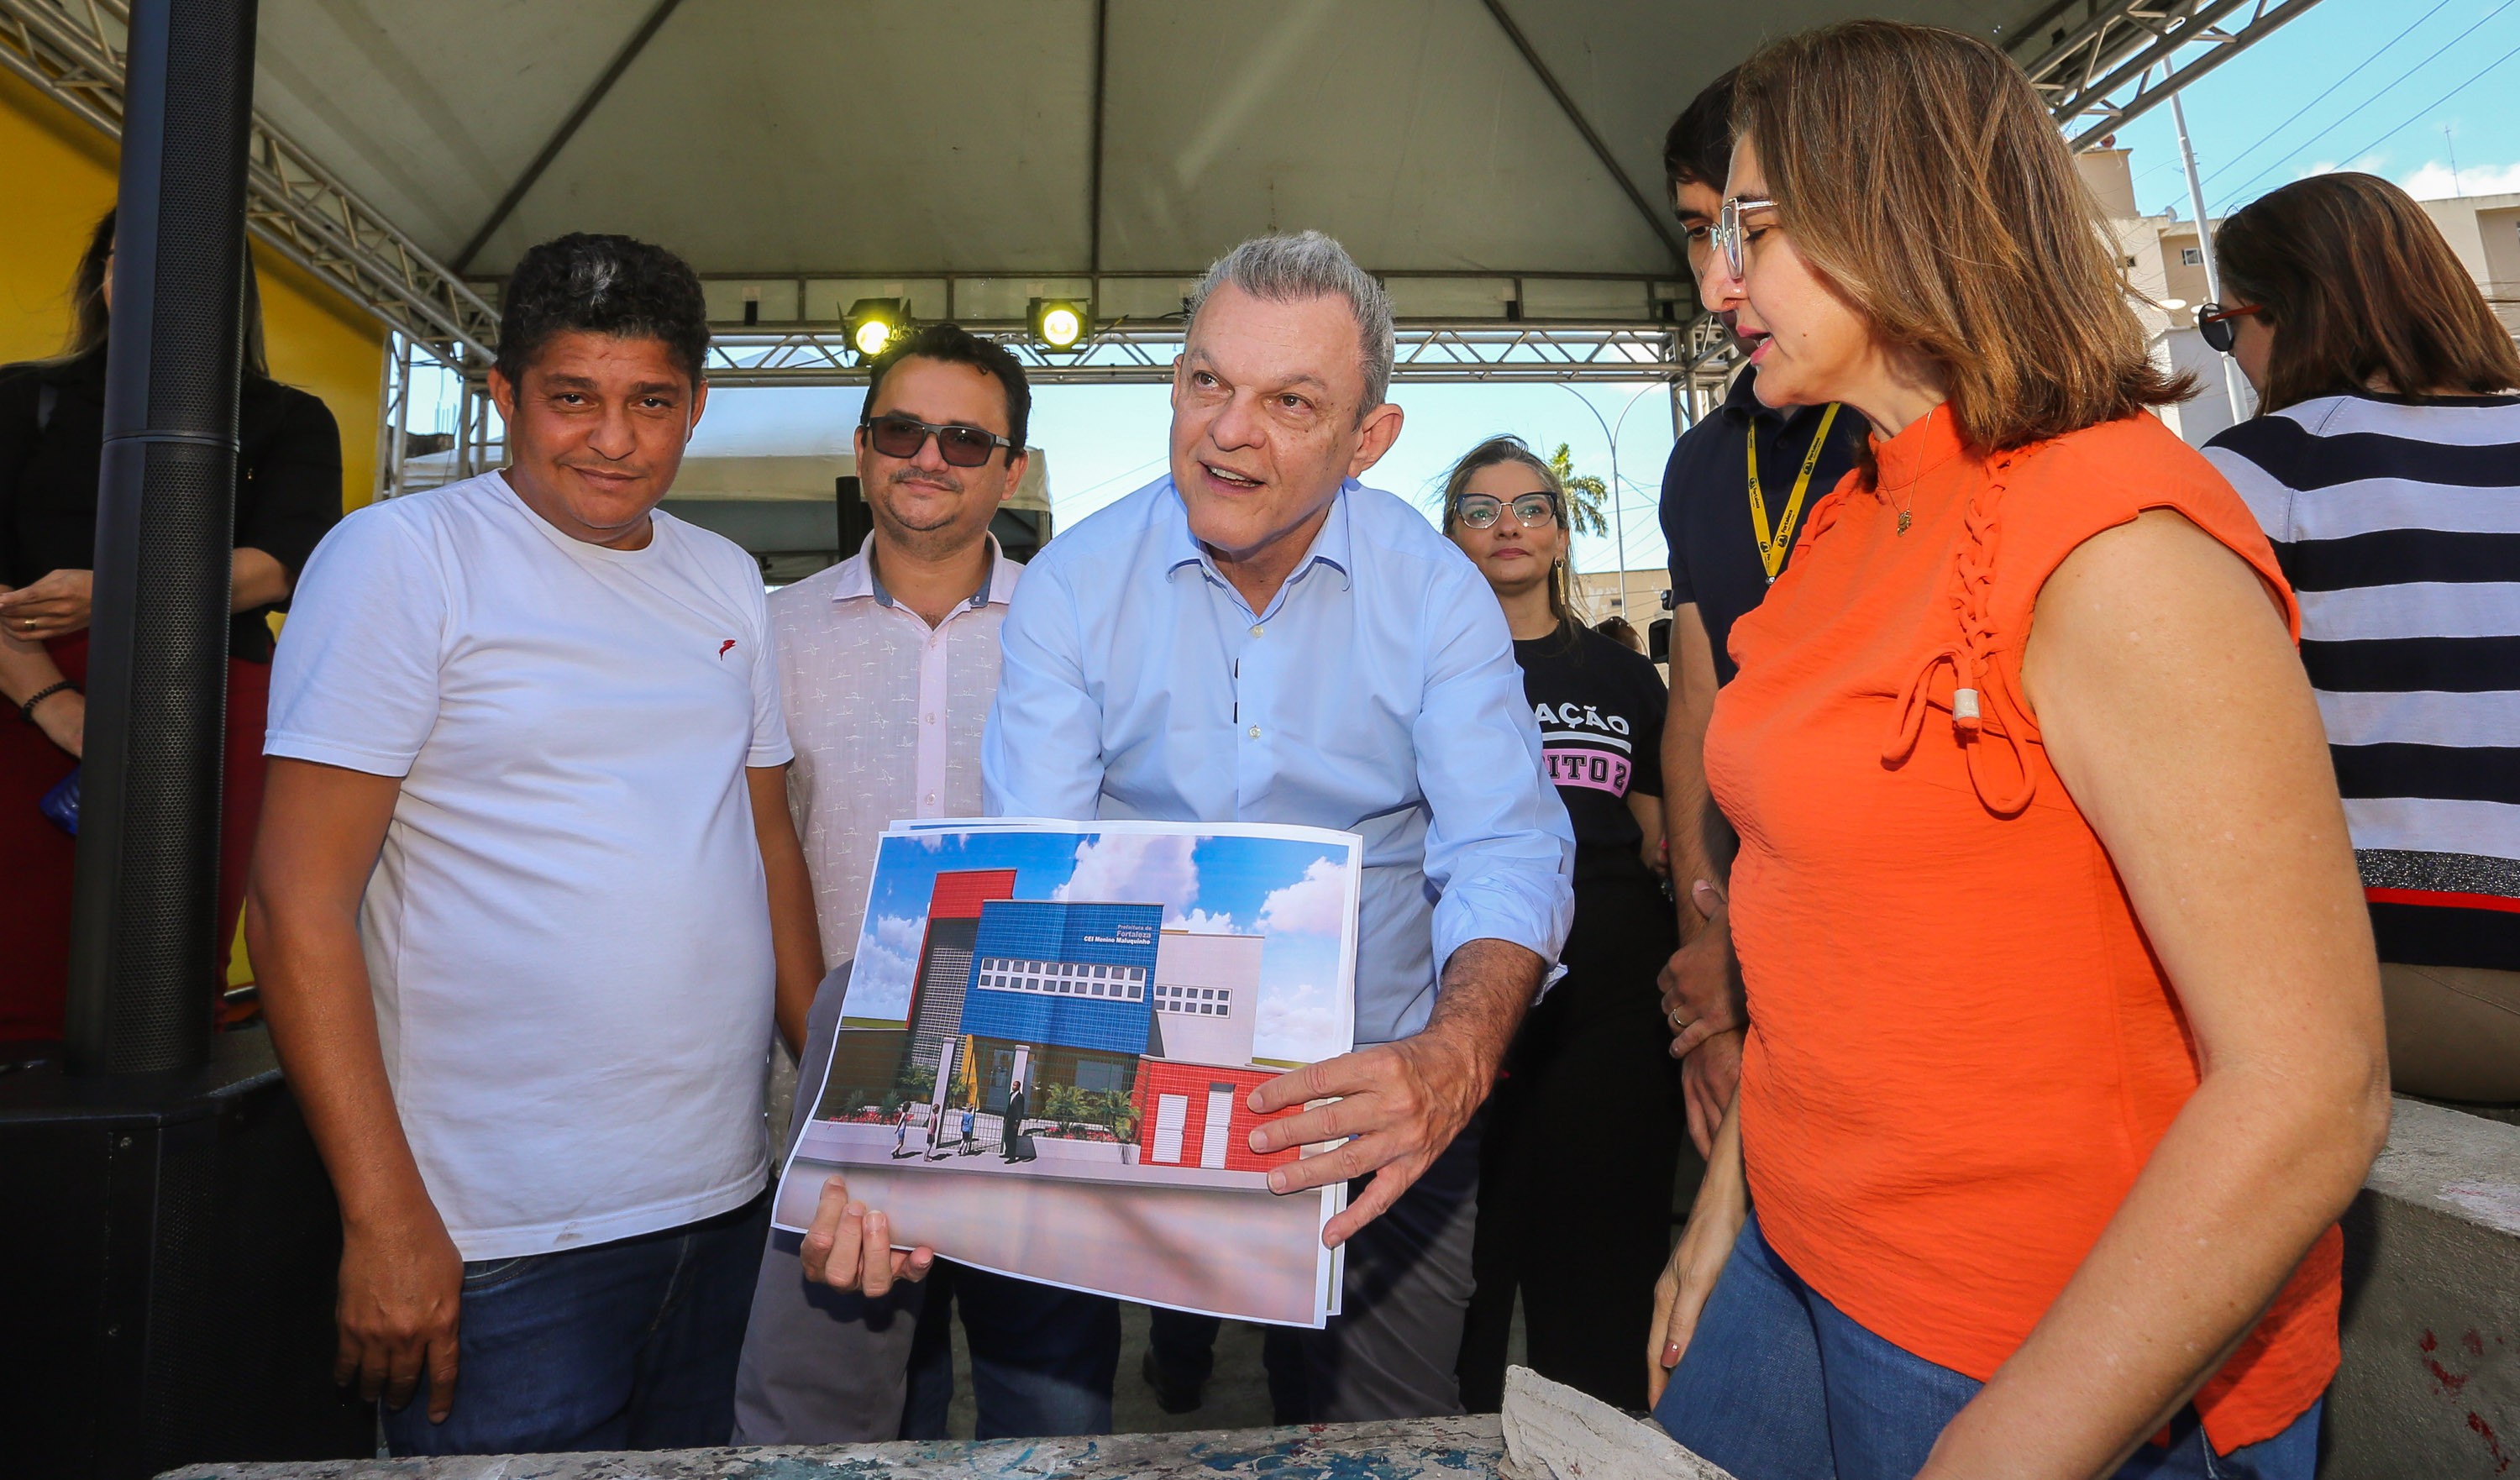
[1773, 545]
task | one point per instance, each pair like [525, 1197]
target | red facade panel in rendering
[1199, 1115]
[960, 895]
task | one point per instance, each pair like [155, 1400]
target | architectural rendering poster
[1046, 1053]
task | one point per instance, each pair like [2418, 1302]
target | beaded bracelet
[26, 710]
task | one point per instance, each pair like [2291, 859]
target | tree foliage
[1588, 497]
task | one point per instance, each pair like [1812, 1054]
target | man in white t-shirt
[525, 889]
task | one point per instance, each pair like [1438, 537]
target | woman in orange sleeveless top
[2065, 1045]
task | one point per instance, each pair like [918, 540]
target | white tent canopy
[1498, 161]
[1043, 138]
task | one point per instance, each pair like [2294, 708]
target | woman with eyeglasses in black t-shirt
[1585, 1128]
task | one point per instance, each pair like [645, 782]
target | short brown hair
[1699, 150]
[1915, 169]
[2356, 283]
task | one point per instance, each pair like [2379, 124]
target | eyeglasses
[1532, 511]
[1699, 238]
[1729, 233]
[900, 436]
[2213, 323]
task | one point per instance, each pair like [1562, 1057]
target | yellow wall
[56, 175]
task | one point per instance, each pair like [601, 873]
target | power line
[2330, 90]
[2436, 103]
[2298, 150]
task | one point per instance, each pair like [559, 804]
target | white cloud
[887, 961]
[1298, 1024]
[2435, 180]
[1201, 922]
[1313, 905]
[1134, 868]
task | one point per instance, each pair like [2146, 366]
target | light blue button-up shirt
[1377, 694]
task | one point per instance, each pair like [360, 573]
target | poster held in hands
[1049, 1044]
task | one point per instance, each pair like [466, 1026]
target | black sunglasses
[2213, 323]
[899, 436]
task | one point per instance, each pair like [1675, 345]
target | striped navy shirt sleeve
[2397, 520]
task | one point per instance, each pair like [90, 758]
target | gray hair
[1308, 264]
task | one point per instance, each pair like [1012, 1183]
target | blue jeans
[1778, 1384]
[628, 1345]
[1042, 1358]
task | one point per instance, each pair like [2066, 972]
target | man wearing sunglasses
[1733, 497]
[1258, 637]
[888, 663]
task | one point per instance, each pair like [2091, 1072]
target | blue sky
[2368, 84]
[1294, 891]
[2396, 87]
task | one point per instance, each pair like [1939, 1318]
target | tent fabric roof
[810, 137]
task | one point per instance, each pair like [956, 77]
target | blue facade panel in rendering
[1075, 975]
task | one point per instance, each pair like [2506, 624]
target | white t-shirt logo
[724, 647]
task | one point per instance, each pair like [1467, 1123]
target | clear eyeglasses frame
[1532, 511]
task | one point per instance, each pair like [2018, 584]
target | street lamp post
[1618, 512]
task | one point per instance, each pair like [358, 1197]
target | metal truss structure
[2097, 62]
[72, 51]
[2102, 63]
[1120, 353]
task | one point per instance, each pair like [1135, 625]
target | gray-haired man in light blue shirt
[1259, 638]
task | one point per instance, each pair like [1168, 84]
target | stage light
[1060, 325]
[873, 324]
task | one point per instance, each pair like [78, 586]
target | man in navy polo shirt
[1733, 497]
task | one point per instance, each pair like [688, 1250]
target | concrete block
[1553, 1432]
[2430, 1384]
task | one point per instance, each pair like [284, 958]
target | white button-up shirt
[887, 716]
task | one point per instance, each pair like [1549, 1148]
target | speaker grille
[166, 934]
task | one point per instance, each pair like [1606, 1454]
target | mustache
[921, 475]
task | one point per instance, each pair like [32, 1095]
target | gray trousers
[1391, 1353]
[820, 1367]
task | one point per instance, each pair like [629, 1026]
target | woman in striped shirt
[2384, 465]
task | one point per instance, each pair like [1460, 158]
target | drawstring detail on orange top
[1982, 701]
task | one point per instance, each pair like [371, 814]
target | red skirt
[36, 858]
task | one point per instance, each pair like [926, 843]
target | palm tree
[1587, 496]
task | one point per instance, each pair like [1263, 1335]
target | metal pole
[2205, 250]
[144, 913]
[1619, 524]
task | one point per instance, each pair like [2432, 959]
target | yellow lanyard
[1773, 547]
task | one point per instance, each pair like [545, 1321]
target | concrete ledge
[1422, 1449]
[2430, 1383]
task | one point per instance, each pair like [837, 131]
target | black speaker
[857, 521]
[143, 925]
[170, 1250]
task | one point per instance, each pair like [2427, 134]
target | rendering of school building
[1097, 995]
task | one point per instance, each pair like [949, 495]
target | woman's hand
[55, 607]
[1714, 1222]
[64, 720]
